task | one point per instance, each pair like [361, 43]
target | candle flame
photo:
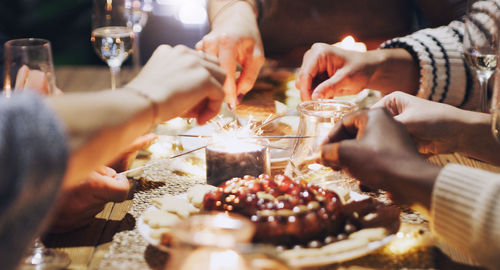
[233, 138]
[349, 43]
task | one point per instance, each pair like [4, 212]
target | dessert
[285, 212]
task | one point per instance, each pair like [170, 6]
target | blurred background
[288, 27]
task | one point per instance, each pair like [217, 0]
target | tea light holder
[236, 160]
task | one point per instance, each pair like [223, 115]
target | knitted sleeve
[33, 157]
[444, 75]
[465, 214]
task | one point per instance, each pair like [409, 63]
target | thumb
[330, 155]
[330, 87]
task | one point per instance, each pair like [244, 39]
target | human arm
[349, 72]
[463, 202]
[235, 40]
[440, 128]
[178, 80]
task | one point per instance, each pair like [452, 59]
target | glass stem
[136, 55]
[483, 94]
[115, 77]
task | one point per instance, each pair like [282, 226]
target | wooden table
[87, 246]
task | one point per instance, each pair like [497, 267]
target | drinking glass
[112, 36]
[480, 45]
[317, 118]
[137, 13]
[28, 63]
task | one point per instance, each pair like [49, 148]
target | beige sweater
[465, 215]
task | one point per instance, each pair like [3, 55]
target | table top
[101, 245]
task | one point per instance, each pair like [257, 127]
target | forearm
[477, 141]
[99, 126]
[397, 71]
[221, 10]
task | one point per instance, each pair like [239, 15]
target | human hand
[378, 151]
[80, 203]
[27, 78]
[182, 82]
[235, 39]
[329, 71]
[125, 159]
[437, 128]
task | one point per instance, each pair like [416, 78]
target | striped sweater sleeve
[444, 75]
[465, 214]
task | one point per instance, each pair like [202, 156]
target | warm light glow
[349, 43]
[235, 139]
[192, 13]
[228, 259]
[403, 243]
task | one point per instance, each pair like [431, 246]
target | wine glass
[480, 45]
[111, 36]
[28, 64]
[137, 13]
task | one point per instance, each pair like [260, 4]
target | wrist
[245, 9]
[153, 105]
[419, 179]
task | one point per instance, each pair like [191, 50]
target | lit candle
[349, 43]
[236, 158]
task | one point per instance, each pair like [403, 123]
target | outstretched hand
[235, 40]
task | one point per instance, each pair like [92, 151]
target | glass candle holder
[219, 241]
[317, 118]
[236, 158]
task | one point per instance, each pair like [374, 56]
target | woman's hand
[440, 128]
[235, 40]
[345, 72]
[183, 82]
[329, 71]
[379, 152]
[80, 203]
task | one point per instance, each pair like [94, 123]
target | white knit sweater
[465, 215]
[444, 75]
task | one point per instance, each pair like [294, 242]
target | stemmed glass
[28, 64]
[137, 13]
[480, 45]
[111, 35]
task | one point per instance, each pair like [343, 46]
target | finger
[331, 86]
[114, 189]
[37, 80]
[227, 56]
[209, 58]
[347, 128]
[216, 71]
[199, 45]
[251, 67]
[21, 77]
[307, 72]
[330, 155]
[212, 106]
[210, 45]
